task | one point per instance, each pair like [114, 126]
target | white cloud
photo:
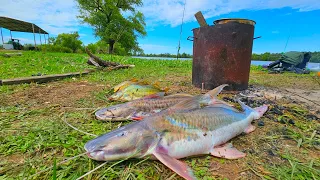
[56, 16]
[169, 12]
[59, 16]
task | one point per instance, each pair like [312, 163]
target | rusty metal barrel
[222, 54]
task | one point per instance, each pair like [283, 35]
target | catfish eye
[122, 134]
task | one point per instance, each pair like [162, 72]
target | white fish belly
[224, 134]
[206, 141]
[188, 147]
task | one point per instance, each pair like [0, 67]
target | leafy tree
[110, 24]
[51, 40]
[69, 40]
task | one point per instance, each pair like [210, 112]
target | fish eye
[122, 134]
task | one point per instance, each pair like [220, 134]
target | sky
[279, 22]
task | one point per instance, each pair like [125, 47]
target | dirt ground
[55, 93]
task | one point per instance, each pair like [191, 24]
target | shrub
[27, 47]
[69, 40]
[92, 47]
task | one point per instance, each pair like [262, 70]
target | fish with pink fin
[190, 128]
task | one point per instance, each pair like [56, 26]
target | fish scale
[157, 103]
[137, 107]
[192, 122]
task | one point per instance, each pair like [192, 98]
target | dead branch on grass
[98, 62]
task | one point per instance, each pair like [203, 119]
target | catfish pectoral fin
[227, 151]
[177, 166]
[250, 129]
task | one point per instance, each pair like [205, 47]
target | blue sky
[276, 21]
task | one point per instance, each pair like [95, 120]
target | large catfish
[178, 132]
[143, 107]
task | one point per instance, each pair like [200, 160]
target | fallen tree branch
[12, 54]
[92, 62]
[41, 79]
[99, 61]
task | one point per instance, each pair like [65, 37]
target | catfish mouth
[105, 155]
[107, 114]
[96, 155]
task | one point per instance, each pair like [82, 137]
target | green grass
[33, 135]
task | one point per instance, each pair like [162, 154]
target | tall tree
[69, 40]
[114, 21]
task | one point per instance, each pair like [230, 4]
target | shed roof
[18, 25]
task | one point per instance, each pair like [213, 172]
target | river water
[311, 66]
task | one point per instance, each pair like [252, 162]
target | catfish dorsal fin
[214, 92]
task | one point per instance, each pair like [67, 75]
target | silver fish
[186, 129]
[141, 108]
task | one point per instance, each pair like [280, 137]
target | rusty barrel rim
[239, 20]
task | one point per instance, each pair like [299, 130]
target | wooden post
[11, 35]
[200, 19]
[40, 37]
[44, 36]
[1, 36]
[48, 39]
[34, 36]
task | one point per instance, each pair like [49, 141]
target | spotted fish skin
[135, 91]
[140, 108]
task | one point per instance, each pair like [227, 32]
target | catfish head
[131, 141]
[117, 112]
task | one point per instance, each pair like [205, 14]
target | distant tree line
[183, 55]
[70, 43]
[275, 56]
[261, 57]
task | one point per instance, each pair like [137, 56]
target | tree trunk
[111, 43]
